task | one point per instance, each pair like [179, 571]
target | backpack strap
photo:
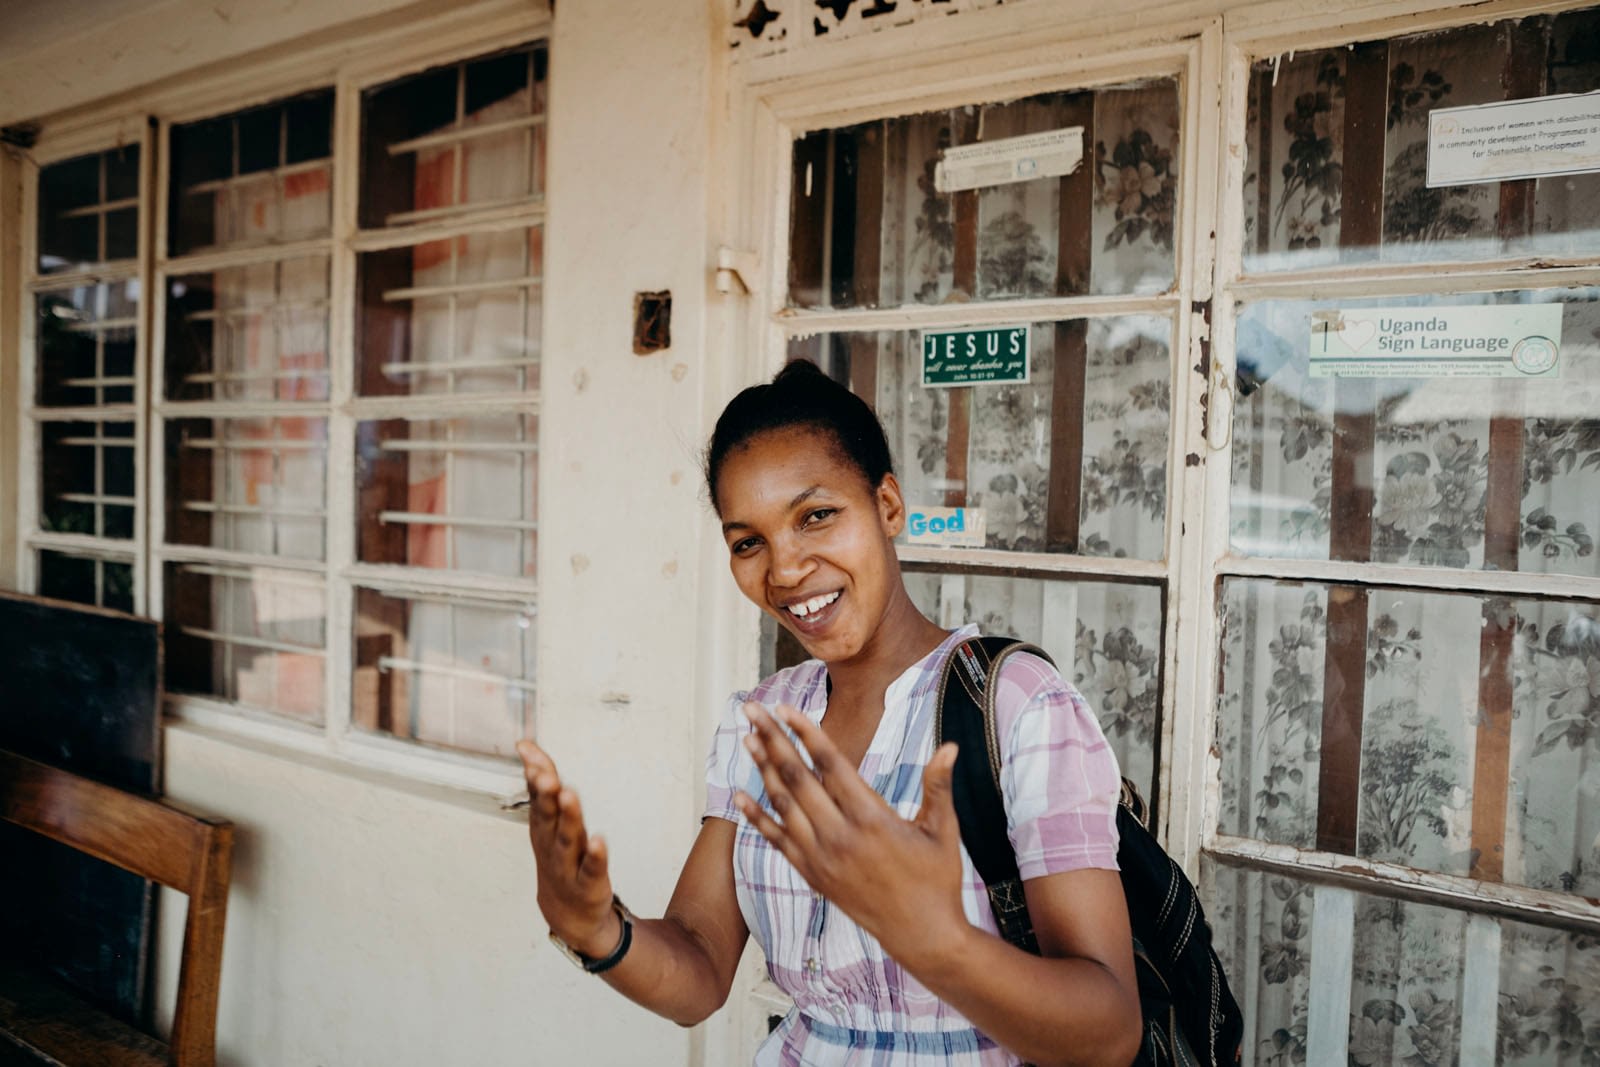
[965, 714]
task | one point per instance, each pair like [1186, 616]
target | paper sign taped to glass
[1479, 341]
[1514, 139]
[1011, 159]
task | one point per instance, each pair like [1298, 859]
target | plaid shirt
[853, 1004]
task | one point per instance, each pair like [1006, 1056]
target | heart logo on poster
[1357, 333]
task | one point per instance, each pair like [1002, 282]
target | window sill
[480, 784]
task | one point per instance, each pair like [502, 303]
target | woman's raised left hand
[899, 879]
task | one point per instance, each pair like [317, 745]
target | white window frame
[1281, 31]
[31, 539]
[383, 56]
[779, 98]
[1025, 49]
[783, 107]
[1254, 34]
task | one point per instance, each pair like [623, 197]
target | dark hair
[801, 396]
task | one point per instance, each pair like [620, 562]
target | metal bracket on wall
[735, 268]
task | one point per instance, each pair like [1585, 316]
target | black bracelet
[605, 963]
[602, 965]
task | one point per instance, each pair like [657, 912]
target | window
[1072, 468]
[83, 424]
[446, 402]
[1340, 620]
[246, 406]
[1408, 628]
[338, 523]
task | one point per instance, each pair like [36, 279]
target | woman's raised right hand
[573, 872]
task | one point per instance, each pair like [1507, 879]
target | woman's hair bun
[801, 395]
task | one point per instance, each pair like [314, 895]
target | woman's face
[809, 541]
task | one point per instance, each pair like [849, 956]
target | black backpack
[1181, 985]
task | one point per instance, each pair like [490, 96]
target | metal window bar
[522, 316]
[279, 184]
[474, 592]
[420, 292]
[99, 209]
[532, 132]
[100, 298]
[425, 445]
[459, 165]
[390, 663]
[426, 214]
[218, 377]
[100, 382]
[236, 180]
[243, 641]
[453, 301]
[100, 217]
[99, 498]
[451, 366]
[95, 442]
[456, 136]
[214, 508]
[219, 570]
[280, 307]
[266, 444]
[420, 518]
[100, 326]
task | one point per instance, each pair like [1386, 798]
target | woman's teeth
[812, 606]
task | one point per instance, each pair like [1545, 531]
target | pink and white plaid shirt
[853, 1004]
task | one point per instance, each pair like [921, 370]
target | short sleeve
[1058, 774]
[724, 773]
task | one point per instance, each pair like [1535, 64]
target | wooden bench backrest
[153, 840]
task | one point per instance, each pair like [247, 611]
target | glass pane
[248, 485]
[1548, 1016]
[86, 478]
[253, 177]
[86, 580]
[1105, 638]
[252, 637]
[468, 134]
[89, 210]
[460, 315]
[1451, 470]
[1443, 731]
[445, 672]
[1309, 112]
[1073, 460]
[258, 332]
[65, 577]
[86, 337]
[449, 493]
[1429, 986]
[870, 224]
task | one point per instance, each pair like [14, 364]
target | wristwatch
[604, 963]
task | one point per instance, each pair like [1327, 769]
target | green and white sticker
[1479, 341]
[975, 355]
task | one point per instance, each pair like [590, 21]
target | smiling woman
[829, 828]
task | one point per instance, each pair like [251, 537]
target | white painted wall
[376, 921]
[86, 50]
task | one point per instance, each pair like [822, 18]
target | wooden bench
[153, 840]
